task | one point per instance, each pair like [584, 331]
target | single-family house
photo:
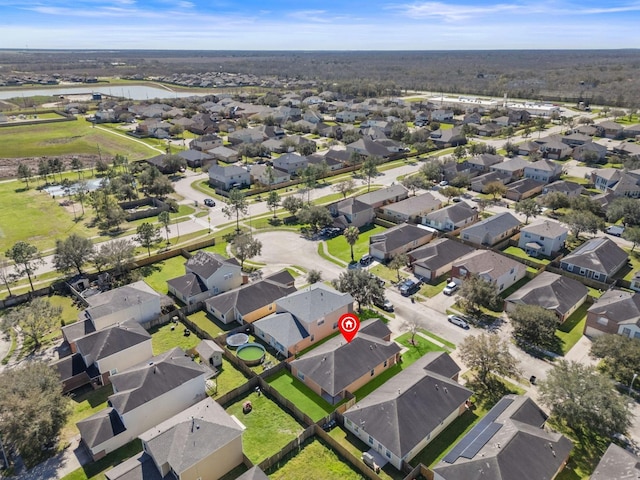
[337, 366]
[451, 217]
[202, 442]
[440, 115]
[451, 137]
[628, 185]
[570, 189]
[399, 239]
[435, 259]
[576, 139]
[546, 238]
[489, 266]
[598, 259]
[544, 170]
[473, 117]
[452, 169]
[143, 396]
[253, 301]
[509, 442]
[617, 464]
[491, 230]
[523, 188]
[590, 152]
[527, 148]
[226, 178]
[605, 178]
[511, 166]
[610, 129]
[487, 129]
[411, 209]
[267, 175]
[401, 417]
[317, 159]
[632, 131]
[195, 158]
[349, 116]
[482, 162]
[351, 212]
[246, 135]
[479, 183]
[224, 154]
[560, 294]
[384, 196]
[616, 311]
[553, 147]
[303, 317]
[368, 147]
[207, 274]
[635, 282]
[589, 130]
[292, 163]
[206, 142]
[254, 473]
[339, 155]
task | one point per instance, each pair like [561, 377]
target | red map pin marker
[349, 324]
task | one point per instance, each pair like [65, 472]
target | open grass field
[338, 246]
[67, 138]
[269, 428]
[172, 335]
[315, 461]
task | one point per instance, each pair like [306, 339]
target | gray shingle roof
[100, 427]
[405, 409]
[104, 343]
[283, 327]
[139, 467]
[336, 364]
[439, 253]
[492, 226]
[455, 212]
[314, 302]
[150, 379]
[551, 291]
[188, 285]
[204, 264]
[254, 473]
[617, 464]
[136, 293]
[546, 228]
[598, 254]
[618, 306]
[414, 205]
[384, 194]
[488, 263]
[398, 236]
[190, 436]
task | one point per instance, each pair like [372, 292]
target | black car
[366, 260]
[209, 202]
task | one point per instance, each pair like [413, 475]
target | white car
[459, 321]
[450, 288]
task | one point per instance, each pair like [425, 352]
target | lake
[133, 92]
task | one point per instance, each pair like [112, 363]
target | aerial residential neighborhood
[173, 300]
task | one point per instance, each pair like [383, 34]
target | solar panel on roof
[477, 430]
[480, 441]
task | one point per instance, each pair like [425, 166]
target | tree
[398, 261]
[411, 325]
[161, 187]
[620, 355]
[26, 258]
[370, 169]
[77, 166]
[398, 131]
[309, 179]
[5, 276]
[236, 205]
[450, 192]
[273, 201]
[116, 254]
[632, 234]
[581, 221]
[316, 216]
[476, 292]
[173, 163]
[361, 285]
[72, 253]
[534, 326]
[488, 355]
[495, 189]
[345, 187]
[351, 235]
[529, 208]
[113, 215]
[584, 400]
[413, 183]
[459, 152]
[35, 319]
[24, 173]
[147, 235]
[245, 247]
[165, 219]
[34, 409]
[583, 203]
[314, 276]
[292, 204]
[540, 123]
[43, 170]
[625, 209]
[432, 170]
[555, 200]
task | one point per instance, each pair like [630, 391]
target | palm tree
[351, 235]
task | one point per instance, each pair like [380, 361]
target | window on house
[582, 271]
[596, 275]
[603, 321]
[370, 440]
[312, 337]
[636, 335]
[570, 268]
[626, 332]
[372, 372]
[388, 454]
[301, 376]
[113, 371]
[321, 322]
[335, 325]
[385, 363]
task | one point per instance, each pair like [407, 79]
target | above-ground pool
[237, 339]
[251, 354]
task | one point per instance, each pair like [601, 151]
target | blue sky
[315, 25]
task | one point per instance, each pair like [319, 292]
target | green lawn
[431, 290]
[302, 396]
[84, 406]
[446, 343]
[228, 379]
[69, 310]
[518, 252]
[205, 321]
[338, 246]
[171, 335]
[269, 428]
[315, 460]
[95, 470]
[572, 329]
[51, 139]
[387, 273]
[156, 275]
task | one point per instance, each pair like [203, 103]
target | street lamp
[635, 375]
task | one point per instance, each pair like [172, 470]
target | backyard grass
[95, 470]
[269, 428]
[157, 274]
[302, 396]
[571, 330]
[584, 457]
[338, 246]
[172, 335]
[314, 460]
[83, 406]
[518, 252]
[205, 322]
[69, 310]
[228, 379]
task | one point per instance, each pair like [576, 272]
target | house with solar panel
[398, 419]
[510, 442]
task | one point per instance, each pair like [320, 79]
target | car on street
[209, 202]
[443, 183]
[459, 321]
[450, 288]
[615, 230]
[385, 305]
